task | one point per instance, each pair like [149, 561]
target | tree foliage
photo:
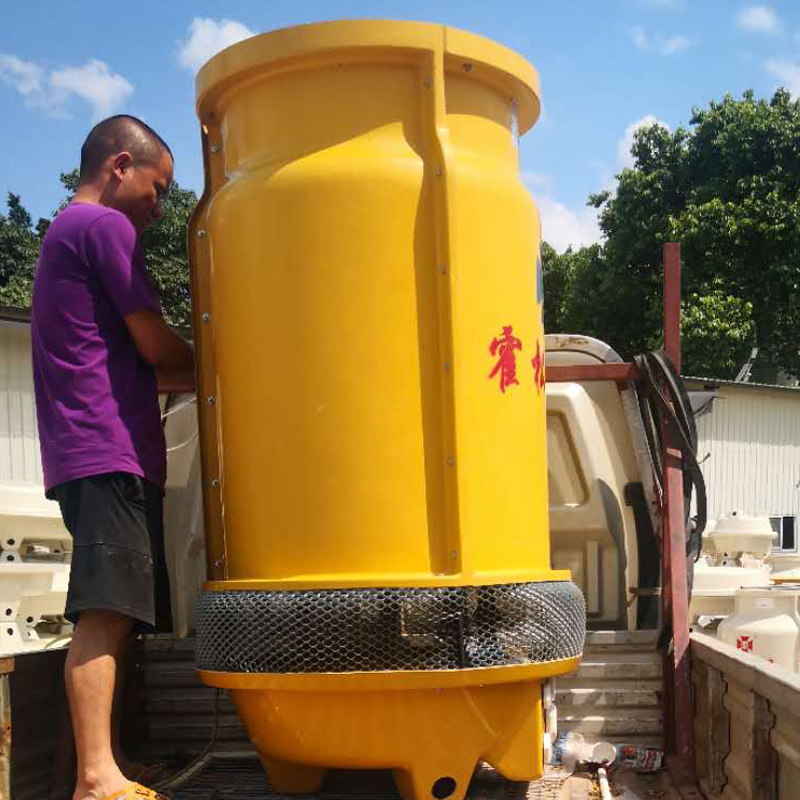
[728, 189]
[19, 249]
[164, 245]
[167, 259]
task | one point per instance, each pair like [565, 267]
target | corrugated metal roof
[20, 458]
[740, 384]
[13, 314]
[749, 447]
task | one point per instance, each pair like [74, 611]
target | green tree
[728, 189]
[19, 249]
[70, 181]
[717, 330]
[164, 245]
[587, 276]
[555, 268]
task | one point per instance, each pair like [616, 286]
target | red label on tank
[537, 362]
[503, 349]
[745, 643]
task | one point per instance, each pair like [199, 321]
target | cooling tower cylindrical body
[368, 318]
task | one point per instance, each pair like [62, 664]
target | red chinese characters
[537, 362]
[503, 348]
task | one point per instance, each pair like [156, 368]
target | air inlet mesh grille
[365, 630]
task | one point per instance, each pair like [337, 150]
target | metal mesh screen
[364, 630]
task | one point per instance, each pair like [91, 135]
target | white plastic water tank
[734, 550]
[766, 623]
[736, 533]
[715, 587]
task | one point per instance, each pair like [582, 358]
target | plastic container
[766, 623]
[736, 533]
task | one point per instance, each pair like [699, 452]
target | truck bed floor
[240, 778]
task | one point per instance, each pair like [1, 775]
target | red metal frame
[593, 372]
[677, 701]
[677, 669]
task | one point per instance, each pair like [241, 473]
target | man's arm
[170, 355]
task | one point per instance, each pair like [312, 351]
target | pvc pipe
[602, 779]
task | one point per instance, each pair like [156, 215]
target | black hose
[663, 400]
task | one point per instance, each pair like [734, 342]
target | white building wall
[752, 444]
[20, 459]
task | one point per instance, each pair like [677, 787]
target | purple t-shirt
[96, 398]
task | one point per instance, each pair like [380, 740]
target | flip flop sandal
[135, 791]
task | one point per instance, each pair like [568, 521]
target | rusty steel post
[6, 668]
[675, 595]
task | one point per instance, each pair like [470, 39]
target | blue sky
[605, 66]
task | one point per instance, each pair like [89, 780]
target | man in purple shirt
[101, 351]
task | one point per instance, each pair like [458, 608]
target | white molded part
[706, 545]
[714, 590]
[785, 567]
[34, 571]
[735, 534]
[28, 594]
[710, 579]
[551, 720]
[594, 450]
[547, 747]
[766, 623]
[183, 513]
[28, 517]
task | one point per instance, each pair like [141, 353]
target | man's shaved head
[118, 134]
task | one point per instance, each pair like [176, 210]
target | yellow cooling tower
[368, 316]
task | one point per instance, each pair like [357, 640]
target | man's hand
[172, 356]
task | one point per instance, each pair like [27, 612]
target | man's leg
[130, 769]
[90, 674]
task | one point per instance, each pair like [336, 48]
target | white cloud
[640, 39]
[661, 44]
[537, 181]
[673, 44]
[51, 91]
[758, 19]
[562, 227]
[104, 90]
[24, 76]
[207, 37]
[788, 72]
[624, 145]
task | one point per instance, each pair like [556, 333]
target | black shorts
[117, 525]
